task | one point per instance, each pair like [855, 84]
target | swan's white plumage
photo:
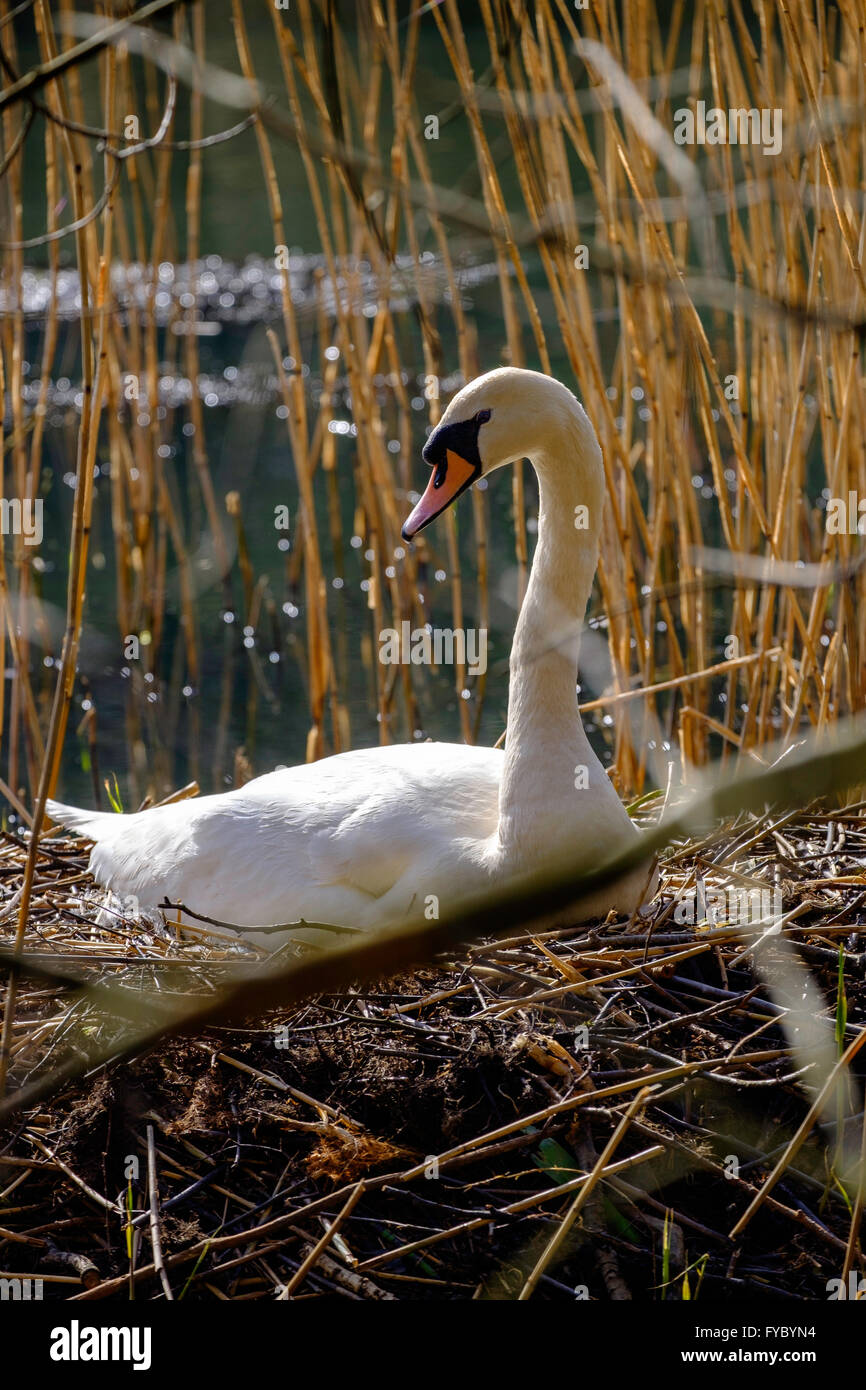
[368, 838]
[341, 840]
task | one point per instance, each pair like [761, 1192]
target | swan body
[372, 837]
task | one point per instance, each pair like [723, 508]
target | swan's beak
[449, 479]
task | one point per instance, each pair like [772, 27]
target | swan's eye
[482, 417]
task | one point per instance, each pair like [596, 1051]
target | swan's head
[505, 415]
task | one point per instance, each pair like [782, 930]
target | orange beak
[446, 484]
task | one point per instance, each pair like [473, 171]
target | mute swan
[367, 838]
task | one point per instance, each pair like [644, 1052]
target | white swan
[367, 838]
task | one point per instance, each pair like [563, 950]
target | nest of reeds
[602, 1111]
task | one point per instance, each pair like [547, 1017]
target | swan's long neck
[546, 743]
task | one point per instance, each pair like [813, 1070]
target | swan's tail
[90, 823]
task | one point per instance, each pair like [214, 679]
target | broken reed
[632, 333]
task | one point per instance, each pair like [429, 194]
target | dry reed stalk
[374, 484]
[558, 1239]
[193, 253]
[77, 565]
[14, 350]
[295, 401]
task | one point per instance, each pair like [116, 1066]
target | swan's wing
[362, 819]
[148, 855]
[323, 838]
